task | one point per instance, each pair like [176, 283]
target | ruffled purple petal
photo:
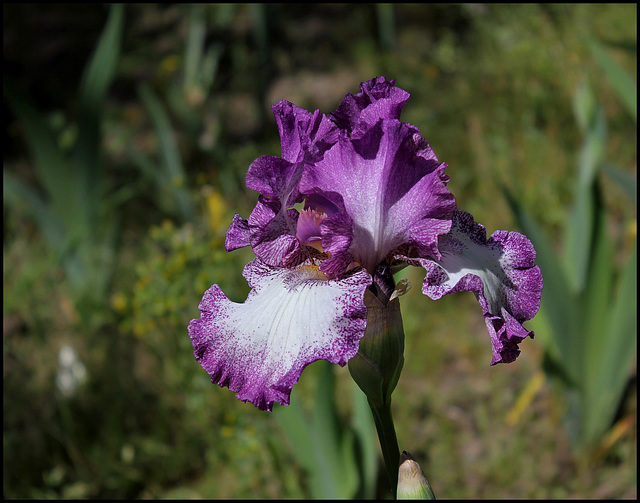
[271, 227]
[304, 136]
[275, 178]
[238, 234]
[501, 273]
[337, 234]
[378, 99]
[291, 318]
[393, 191]
[271, 234]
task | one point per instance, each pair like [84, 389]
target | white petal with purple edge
[500, 271]
[291, 318]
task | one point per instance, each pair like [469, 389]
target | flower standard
[374, 199]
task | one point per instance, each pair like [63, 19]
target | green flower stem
[388, 442]
[377, 366]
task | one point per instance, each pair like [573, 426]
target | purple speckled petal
[275, 178]
[271, 227]
[379, 99]
[393, 190]
[271, 239]
[291, 318]
[501, 273]
[337, 233]
[238, 234]
[304, 135]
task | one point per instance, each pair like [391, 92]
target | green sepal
[377, 366]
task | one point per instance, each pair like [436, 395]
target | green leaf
[336, 465]
[15, 192]
[580, 225]
[584, 106]
[96, 80]
[365, 443]
[195, 43]
[101, 68]
[595, 315]
[171, 174]
[621, 80]
[200, 66]
[626, 181]
[321, 442]
[559, 303]
[296, 428]
[50, 164]
[618, 354]
[209, 67]
[596, 299]
[630, 46]
[386, 25]
[72, 189]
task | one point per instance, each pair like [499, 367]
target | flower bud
[412, 484]
[377, 366]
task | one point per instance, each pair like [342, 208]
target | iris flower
[353, 193]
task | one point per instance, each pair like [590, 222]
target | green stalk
[377, 366]
[388, 442]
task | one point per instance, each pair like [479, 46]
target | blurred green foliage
[76, 214]
[589, 299]
[182, 114]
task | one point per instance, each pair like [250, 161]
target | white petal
[291, 318]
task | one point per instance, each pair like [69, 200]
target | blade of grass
[333, 445]
[321, 442]
[101, 68]
[171, 176]
[48, 160]
[596, 300]
[296, 428]
[365, 448]
[596, 308]
[626, 181]
[16, 192]
[621, 80]
[194, 46]
[209, 66]
[559, 303]
[618, 353]
[386, 25]
[579, 229]
[96, 80]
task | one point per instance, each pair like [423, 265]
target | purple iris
[370, 191]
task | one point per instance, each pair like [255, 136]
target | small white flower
[71, 371]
